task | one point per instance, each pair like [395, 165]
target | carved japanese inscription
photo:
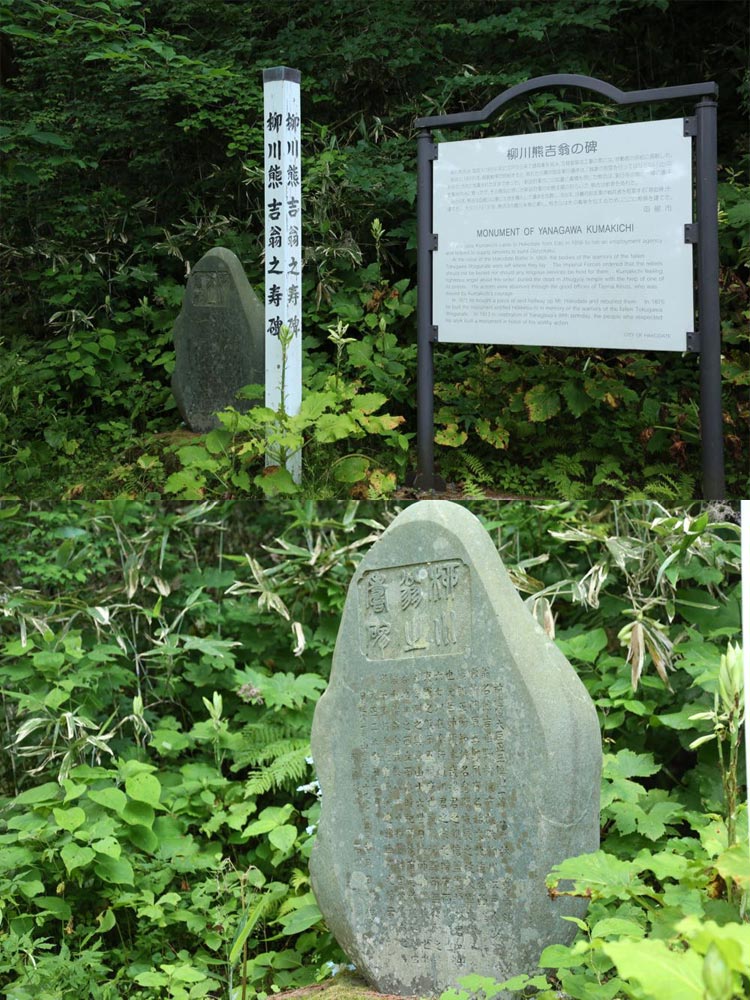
[459, 759]
[219, 340]
[411, 610]
[210, 288]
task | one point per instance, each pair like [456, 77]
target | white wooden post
[283, 247]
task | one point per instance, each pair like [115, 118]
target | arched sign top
[691, 90]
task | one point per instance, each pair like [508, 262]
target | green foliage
[229, 458]
[669, 888]
[132, 134]
[160, 666]
[156, 809]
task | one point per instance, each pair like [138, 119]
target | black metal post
[709, 318]
[425, 373]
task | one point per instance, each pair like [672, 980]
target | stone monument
[459, 759]
[219, 340]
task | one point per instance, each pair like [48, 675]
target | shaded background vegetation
[132, 141]
[159, 668]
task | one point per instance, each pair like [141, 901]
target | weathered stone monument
[219, 340]
[459, 758]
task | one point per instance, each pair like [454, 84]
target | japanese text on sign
[566, 239]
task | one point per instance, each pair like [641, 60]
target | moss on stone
[344, 986]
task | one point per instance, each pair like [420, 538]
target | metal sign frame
[704, 233]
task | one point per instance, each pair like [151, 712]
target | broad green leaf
[664, 864]
[493, 433]
[54, 905]
[627, 815]
[300, 920]
[50, 791]
[450, 436]
[152, 979]
[585, 647]
[14, 857]
[173, 841]
[558, 956]
[684, 898]
[169, 741]
[50, 139]
[138, 813]
[578, 401]
[106, 921]
[617, 927]
[700, 934]
[217, 441]
[111, 798]
[218, 650]
[739, 215]
[542, 403]
[374, 423]
[679, 720]
[604, 874]
[48, 659]
[197, 457]
[627, 764]
[75, 856]
[314, 405]
[351, 469]
[185, 484]
[144, 787]
[653, 824]
[269, 819]
[368, 402]
[350, 312]
[118, 871]
[520, 982]
[186, 974]
[13, 29]
[109, 846]
[584, 987]
[283, 837]
[72, 790]
[734, 865]
[287, 959]
[659, 971]
[335, 427]
[635, 707]
[275, 481]
[31, 888]
[69, 819]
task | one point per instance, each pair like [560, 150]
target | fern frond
[299, 878]
[256, 737]
[281, 748]
[287, 770]
[474, 468]
[473, 491]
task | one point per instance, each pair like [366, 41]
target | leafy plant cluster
[132, 134]
[158, 685]
[160, 666]
[670, 885]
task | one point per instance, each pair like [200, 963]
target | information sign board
[571, 238]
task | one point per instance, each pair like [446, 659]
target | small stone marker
[459, 758]
[219, 340]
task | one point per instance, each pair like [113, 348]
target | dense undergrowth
[160, 664]
[132, 139]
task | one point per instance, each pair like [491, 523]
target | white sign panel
[283, 248]
[569, 239]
